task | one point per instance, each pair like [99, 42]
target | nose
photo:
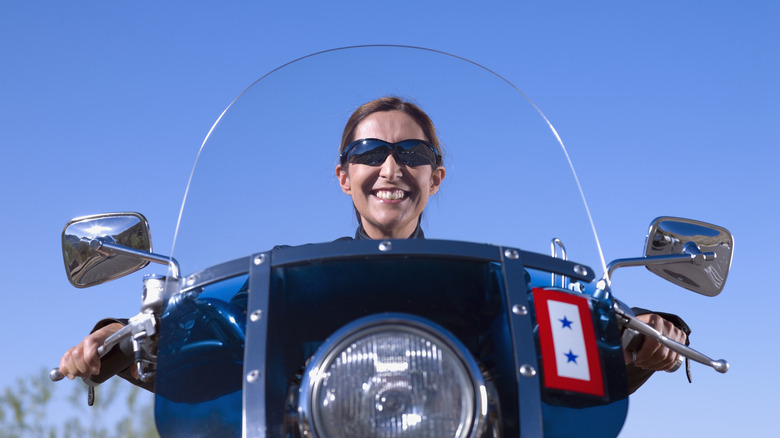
[390, 169]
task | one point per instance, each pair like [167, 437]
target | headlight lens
[397, 376]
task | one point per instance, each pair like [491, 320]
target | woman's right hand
[83, 359]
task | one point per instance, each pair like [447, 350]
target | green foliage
[30, 408]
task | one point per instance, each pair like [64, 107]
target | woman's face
[391, 197]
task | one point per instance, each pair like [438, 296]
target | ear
[343, 177]
[436, 178]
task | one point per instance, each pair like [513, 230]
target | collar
[360, 234]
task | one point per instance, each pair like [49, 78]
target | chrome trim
[557, 243]
[529, 394]
[254, 389]
[217, 273]
[484, 401]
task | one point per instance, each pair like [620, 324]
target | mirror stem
[692, 257]
[110, 249]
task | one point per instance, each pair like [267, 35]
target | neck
[379, 234]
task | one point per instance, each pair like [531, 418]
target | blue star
[566, 323]
[571, 357]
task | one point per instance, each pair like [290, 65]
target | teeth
[386, 194]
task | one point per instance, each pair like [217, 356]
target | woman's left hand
[653, 355]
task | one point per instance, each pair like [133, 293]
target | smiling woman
[390, 165]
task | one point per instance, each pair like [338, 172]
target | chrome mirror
[87, 263]
[709, 246]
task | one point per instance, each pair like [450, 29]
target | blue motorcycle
[445, 336]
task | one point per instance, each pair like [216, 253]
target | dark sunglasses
[374, 152]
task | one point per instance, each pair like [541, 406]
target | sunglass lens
[412, 153]
[416, 153]
[370, 153]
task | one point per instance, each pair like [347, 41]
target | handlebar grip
[116, 360]
[632, 340]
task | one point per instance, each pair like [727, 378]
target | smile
[390, 195]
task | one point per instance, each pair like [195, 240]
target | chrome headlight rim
[317, 367]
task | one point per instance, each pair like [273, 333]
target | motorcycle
[420, 337]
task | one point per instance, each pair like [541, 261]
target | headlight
[392, 376]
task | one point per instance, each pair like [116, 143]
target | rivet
[190, 280]
[519, 310]
[580, 270]
[385, 245]
[252, 376]
[527, 371]
[256, 315]
[511, 254]
[259, 259]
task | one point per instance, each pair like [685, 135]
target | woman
[390, 164]
[389, 195]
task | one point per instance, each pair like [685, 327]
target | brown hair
[390, 104]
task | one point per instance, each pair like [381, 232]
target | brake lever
[632, 341]
[631, 322]
[55, 375]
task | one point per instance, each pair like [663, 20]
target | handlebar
[630, 322]
[113, 360]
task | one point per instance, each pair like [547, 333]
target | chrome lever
[631, 322]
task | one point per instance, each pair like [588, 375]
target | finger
[65, 365]
[94, 341]
[667, 361]
[652, 354]
[677, 364]
[81, 369]
[660, 357]
[672, 358]
[91, 356]
[677, 335]
[649, 354]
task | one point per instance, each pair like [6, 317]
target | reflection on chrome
[85, 264]
[709, 246]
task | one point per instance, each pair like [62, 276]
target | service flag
[570, 356]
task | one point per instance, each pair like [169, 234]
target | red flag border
[549, 358]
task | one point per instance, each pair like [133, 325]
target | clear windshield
[265, 174]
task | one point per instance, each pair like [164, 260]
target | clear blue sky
[667, 109]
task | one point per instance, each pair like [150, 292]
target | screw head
[519, 310]
[259, 259]
[256, 315]
[385, 245]
[527, 371]
[511, 254]
[253, 376]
